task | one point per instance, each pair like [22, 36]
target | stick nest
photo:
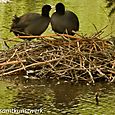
[88, 59]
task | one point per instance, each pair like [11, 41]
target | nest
[88, 58]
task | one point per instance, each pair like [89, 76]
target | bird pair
[62, 21]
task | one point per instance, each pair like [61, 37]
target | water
[57, 98]
[52, 97]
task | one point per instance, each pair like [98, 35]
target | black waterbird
[31, 23]
[63, 21]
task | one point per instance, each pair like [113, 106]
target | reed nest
[71, 58]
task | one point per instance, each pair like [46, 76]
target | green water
[56, 98]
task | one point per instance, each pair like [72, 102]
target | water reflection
[65, 94]
[63, 97]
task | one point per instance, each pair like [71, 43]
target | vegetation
[111, 5]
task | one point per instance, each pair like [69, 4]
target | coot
[31, 23]
[64, 21]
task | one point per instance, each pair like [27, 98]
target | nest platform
[89, 59]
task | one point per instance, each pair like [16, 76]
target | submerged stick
[97, 98]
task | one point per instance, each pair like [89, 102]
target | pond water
[57, 98]
[52, 97]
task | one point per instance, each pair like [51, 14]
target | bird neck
[45, 13]
[60, 10]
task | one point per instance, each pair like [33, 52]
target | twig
[90, 75]
[99, 32]
[11, 62]
[13, 55]
[21, 61]
[34, 64]
[46, 36]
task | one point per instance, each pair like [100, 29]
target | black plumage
[31, 23]
[63, 21]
